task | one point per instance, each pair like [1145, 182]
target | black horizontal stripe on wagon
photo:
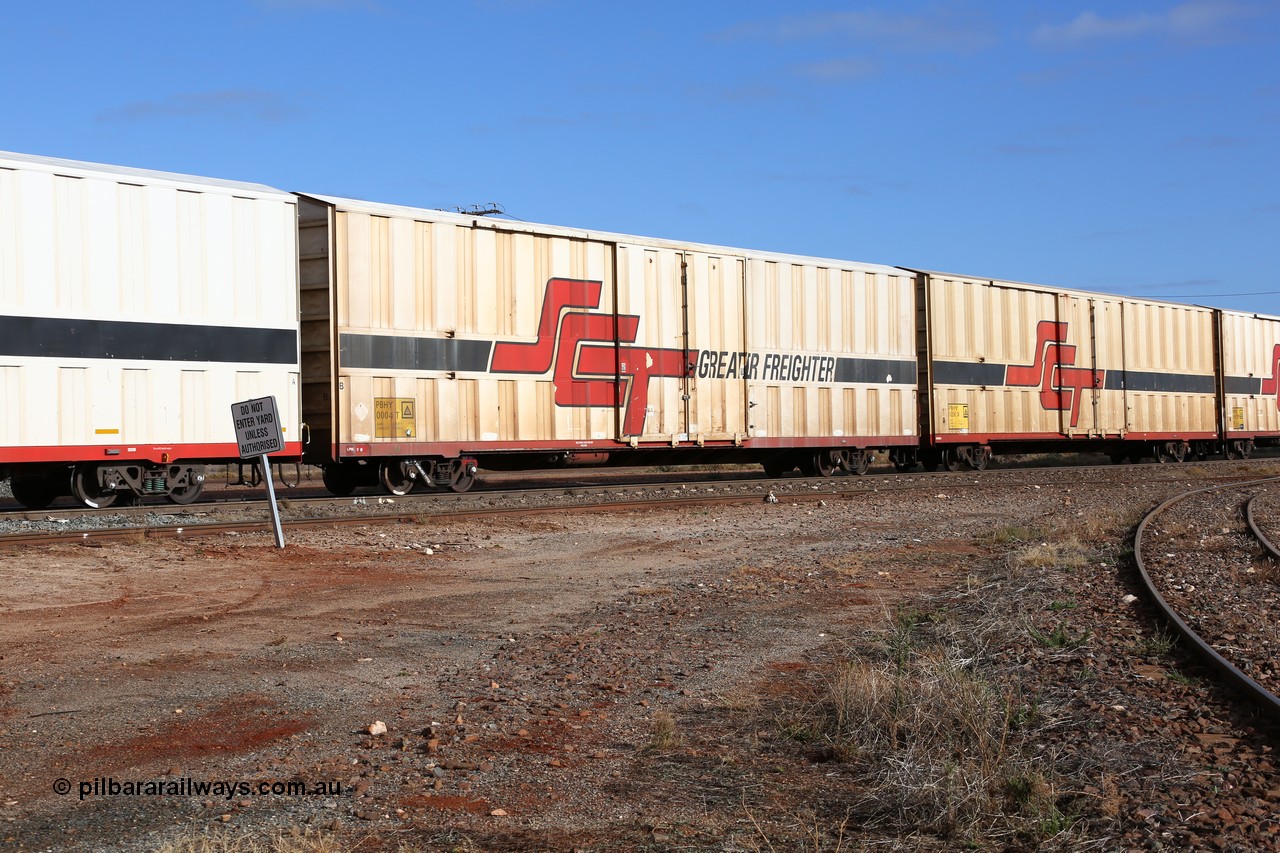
[967, 373]
[394, 353]
[993, 375]
[1163, 383]
[1249, 385]
[61, 337]
[885, 371]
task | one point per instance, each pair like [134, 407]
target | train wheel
[1246, 448]
[826, 463]
[1179, 451]
[34, 492]
[86, 489]
[903, 460]
[777, 467]
[184, 495]
[394, 478]
[859, 461]
[951, 459]
[1165, 453]
[339, 480]
[979, 458]
[462, 474]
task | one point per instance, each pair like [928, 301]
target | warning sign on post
[257, 427]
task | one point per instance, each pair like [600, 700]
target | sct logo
[592, 354]
[1061, 383]
[1271, 385]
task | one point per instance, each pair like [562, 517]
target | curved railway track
[1196, 542]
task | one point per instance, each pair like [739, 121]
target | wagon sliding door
[715, 289]
[675, 307]
[1110, 397]
[1088, 341]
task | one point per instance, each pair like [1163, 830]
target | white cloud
[237, 104]
[1193, 20]
[945, 31]
[840, 69]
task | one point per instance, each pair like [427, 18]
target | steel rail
[172, 531]
[1266, 543]
[1227, 671]
[182, 521]
[882, 482]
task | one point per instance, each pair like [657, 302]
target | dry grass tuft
[939, 748]
[665, 736]
[1063, 553]
[1265, 570]
[221, 841]
[1105, 522]
[932, 739]
[1010, 534]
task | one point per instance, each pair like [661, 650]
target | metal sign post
[258, 433]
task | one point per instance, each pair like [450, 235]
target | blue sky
[1127, 147]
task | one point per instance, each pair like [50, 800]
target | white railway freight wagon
[1250, 352]
[1014, 367]
[434, 343]
[135, 308]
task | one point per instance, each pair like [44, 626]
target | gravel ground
[649, 679]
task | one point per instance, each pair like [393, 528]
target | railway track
[1213, 573]
[600, 489]
[248, 515]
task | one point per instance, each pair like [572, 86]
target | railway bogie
[101, 486]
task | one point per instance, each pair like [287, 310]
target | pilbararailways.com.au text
[187, 787]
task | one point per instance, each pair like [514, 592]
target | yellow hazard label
[958, 416]
[394, 417]
[1237, 417]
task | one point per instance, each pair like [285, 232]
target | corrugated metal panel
[1169, 347]
[651, 288]
[520, 334]
[716, 321]
[819, 329]
[1251, 373]
[137, 276]
[423, 302]
[1011, 359]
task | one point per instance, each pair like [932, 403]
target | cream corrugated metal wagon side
[1249, 346]
[1024, 368]
[135, 308]
[436, 343]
